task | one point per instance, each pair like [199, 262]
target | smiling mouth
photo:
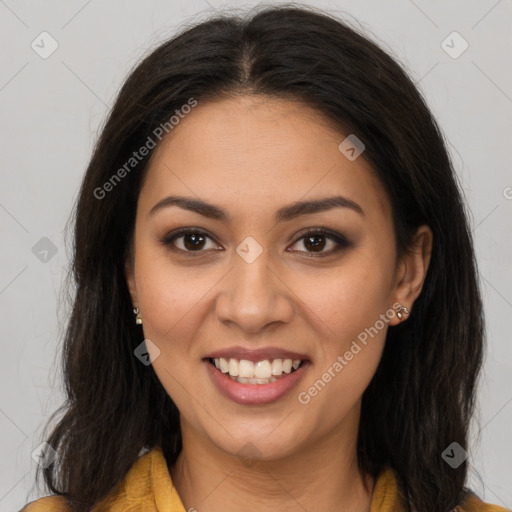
[261, 372]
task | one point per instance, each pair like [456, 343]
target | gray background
[51, 113]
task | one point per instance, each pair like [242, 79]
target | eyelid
[339, 239]
[168, 239]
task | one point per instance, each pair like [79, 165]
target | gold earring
[400, 313]
[138, 318]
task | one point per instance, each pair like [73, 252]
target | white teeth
[245, 369]
[224, 365]
[260, 372]
[233, 367]
[277, 367]
[243, 380]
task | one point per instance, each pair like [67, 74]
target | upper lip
[256, 354]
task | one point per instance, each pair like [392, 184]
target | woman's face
[253, 288]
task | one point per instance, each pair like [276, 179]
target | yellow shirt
[148, 488]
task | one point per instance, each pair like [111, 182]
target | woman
[277, 304]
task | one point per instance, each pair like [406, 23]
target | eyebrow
[284, 214]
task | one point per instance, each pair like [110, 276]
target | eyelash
[340, 240]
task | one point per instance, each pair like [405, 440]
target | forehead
[258, 151]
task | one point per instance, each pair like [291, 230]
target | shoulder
[147, 484]
[389, 498]
[473, 503]
[47, 504]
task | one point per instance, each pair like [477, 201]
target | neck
[321, 476]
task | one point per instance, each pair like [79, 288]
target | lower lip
[254, 394]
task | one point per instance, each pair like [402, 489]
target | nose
[254, 295]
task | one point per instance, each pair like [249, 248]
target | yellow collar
[149, 484]
[147, 487]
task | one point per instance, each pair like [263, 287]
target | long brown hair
[421, 398]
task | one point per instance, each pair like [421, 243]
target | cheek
[351, 305]
[172, 301]
[168, 292]
[351, 297]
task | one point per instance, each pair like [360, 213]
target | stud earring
[138, 318]
[400, 313]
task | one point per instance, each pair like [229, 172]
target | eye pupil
[315, 245]
[313, 242]
[196, 238]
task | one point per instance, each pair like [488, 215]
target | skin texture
[238, 153]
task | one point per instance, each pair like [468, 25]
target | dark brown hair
[421, 398]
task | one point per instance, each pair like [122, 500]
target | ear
[129, 271]
[412, 270]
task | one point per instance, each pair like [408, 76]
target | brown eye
[193, 241]
[317, 240]
[315, 243]
[188, 240]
